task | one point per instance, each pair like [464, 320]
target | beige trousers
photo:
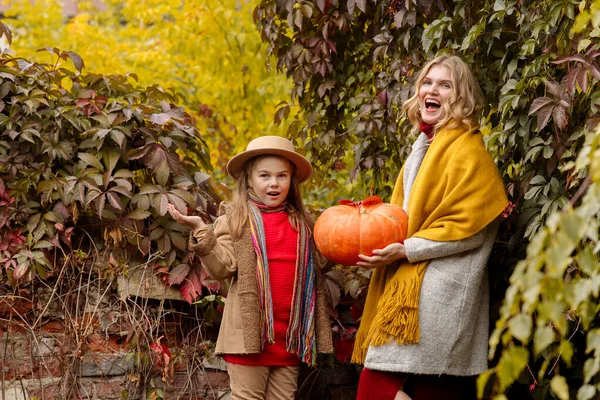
[250, 382]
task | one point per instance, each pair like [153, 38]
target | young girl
[275, 314]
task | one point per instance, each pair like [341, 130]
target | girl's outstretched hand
[192, 221]
[381, 257]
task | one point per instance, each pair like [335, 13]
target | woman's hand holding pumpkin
[381, 257]
[192, 221]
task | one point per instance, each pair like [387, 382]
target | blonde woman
[424, 331]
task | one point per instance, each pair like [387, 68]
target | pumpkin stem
[369, 201]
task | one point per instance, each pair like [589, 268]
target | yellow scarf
[458, 191]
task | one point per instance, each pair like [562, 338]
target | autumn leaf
[343, 349]
[334, 292]
[163, 358]
[191, 288]
[5, 31]
[20, 270]
[178, 274]
[209, 283]
[77, 60]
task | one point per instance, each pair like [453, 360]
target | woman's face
[270, 179]
[436, 89]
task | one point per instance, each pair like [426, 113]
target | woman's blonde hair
[464, 102]
[239, 212]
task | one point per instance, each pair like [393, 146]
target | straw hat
[271, 145]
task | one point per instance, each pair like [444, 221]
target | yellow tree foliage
[208, 50]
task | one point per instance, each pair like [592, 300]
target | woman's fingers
[388, 254]
[371, 261]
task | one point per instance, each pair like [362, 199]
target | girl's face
[270, 179]
[436, 89]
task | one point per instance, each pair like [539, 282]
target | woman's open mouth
[432, 105]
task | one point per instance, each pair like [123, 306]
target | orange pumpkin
[345, 231]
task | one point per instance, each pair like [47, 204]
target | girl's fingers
[188, 220]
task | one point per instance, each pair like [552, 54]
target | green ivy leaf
[91, 160]
[139, 214]
[586, 392]
[520, 327]
[162, 173]
[559, 387]
[511, 364]
[543, 337]
[591, 367]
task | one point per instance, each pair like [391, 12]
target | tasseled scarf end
[399, 321]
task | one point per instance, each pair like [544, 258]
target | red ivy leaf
[595, 71]
[560, 117]
[173, 161]
[543, 107]
[155, 157]
[163, 352]
[5, 31]
[138, 153]
[321, 5]
[192, 286]
[178, 274]
[20, 270]
[571, 79]
[356, 312]
[160, 118]
[77, 60]
[539, 103]
[350, 5]
[82, 103]
[343, 349]
[543, 117]
[575, 57]
[362, 5]
[334, 291]
[207, 282]
[554, 89]
[383, 97]
[582, 79]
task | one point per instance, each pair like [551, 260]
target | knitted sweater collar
[427, 129]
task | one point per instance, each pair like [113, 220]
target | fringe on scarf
[301, 333]
[300, 336]
[400, 321]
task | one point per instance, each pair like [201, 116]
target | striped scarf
[300, 337]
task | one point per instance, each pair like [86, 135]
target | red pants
[382, 385]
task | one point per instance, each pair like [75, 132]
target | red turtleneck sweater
[427, 129]
[281, 241]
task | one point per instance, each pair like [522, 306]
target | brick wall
[90, 341]
[93, 344]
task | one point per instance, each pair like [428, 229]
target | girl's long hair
[463, 104]
[239, 212]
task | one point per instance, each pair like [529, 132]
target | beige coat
[227, 259]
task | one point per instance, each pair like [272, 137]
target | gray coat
[454, 300]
